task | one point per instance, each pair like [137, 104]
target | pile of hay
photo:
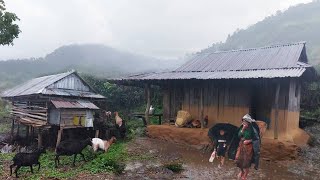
[183, 118]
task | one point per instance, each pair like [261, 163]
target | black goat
[71, 147]
[26, 159]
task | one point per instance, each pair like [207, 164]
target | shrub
[174, 167]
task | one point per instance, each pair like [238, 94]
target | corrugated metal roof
[276, 61]
[68, 92]
[34, 86]
[271, 57]
[40, 86]
[264, 73]
[77, 104]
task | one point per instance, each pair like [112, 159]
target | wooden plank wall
[223, 101]
[228, 101]
[68, 115]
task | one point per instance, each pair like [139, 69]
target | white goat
[98, 143]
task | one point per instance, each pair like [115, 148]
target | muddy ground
[196, 165]
[153, 154]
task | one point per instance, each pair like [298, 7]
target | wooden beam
[148, 97]
[30, 115]
[28, 110]
[60, 131]
[276, 114]
[31, 121]
[97, 134]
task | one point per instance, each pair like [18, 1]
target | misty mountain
[298, 23]
[94, 59]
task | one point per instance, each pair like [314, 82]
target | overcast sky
[159, 28]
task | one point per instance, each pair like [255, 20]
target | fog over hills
[94, 59]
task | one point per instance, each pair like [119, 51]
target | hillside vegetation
[298, 23]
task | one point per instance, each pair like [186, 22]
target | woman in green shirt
[245, 149]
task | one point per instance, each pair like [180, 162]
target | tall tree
[8, 29]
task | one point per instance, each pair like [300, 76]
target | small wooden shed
[61, 100]
[265, 82]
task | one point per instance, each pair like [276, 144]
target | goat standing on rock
[71, 147]
[26, 159]
[98, 143]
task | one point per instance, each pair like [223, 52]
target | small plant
[115, 167]
[174, 167]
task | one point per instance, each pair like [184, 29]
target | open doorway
[261, 103]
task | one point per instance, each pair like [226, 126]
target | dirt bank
[273, 150]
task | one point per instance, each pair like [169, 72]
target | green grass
[111, 162]
[5, 127]
[3, 158]
[5, 124]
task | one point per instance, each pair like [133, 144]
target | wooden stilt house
[64, 101]
[265, 82]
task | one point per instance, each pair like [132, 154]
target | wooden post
[32, 133]
[60, 131]
[147, 91]
[39, 138]
[201, 106]
[18, 129]
[166, 105]
[12, 128]
[144, 121]
[97, 134]
[276, 114]
[27, 132]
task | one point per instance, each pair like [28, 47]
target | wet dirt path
[196, 165]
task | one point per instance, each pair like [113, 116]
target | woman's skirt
[244, 155]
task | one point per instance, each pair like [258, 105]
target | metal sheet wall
[70, 82]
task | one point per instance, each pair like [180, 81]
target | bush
[174, 167]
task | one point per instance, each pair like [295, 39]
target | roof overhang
[74, 104]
